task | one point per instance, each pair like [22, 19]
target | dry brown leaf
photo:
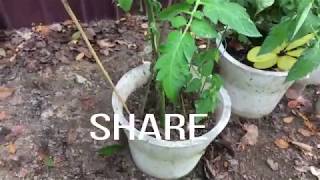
[44, 30]
[293, 104]
[307, 122]
[5, 92]
[310, 126]
[3, 115]
[2, 52]
[12, 149]
[315, 171]
[281, 143]
[80, 56]
[302, 146]
[305, 132]
[288, 120]
[251, 137]
[144, 25]
[105, 43]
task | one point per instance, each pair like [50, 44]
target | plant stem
[183, 107]
[195, 8]
[92, 51]
[154, 34]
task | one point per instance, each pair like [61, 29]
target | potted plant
[181, 72]
[258, 71]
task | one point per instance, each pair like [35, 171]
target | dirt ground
[51, 87]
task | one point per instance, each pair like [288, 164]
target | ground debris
[272, 164]
[251, 136]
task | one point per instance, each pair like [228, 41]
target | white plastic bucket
[161, 158]
[254, 93]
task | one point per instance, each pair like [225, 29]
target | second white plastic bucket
[254, 93]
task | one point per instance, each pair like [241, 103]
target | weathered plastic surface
[160, 158]
[313, 78]
[254, 93]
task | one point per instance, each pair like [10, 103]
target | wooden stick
[92, 51]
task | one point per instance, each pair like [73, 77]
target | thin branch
[92, 51]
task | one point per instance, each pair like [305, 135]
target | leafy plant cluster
[180, 66]
[287, 24]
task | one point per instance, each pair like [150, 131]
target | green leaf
[277, 36]
[178, 21]
[110, 150]
[76, 36]
[125, 4]
[206, 68]
[302, 15]
[208, 55]
[49, 162]
[194, 85]
[209, 98]
[203, 29]
[198, 15]
[263, 4]
[231, 14]
[308, 62]
[190, 1]
[172, 65]
[173, 10]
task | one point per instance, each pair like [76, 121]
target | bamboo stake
[92, 51]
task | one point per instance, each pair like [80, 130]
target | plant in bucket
[180, 80]
[258, 71]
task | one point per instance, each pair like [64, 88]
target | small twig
[92, 51]
[183, 106]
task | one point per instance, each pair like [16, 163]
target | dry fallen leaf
[251, 137]
[281, 143]
[3, 115]
[144, 25]
[2, 52]
[307, 122]
[305, 132]
[302, 146]
[5, 92]
[288, 120]
[293, 104]
[315, 171]
[44, 30]
[105, 43]
[12, 149]
[80, 56]
[272, 164]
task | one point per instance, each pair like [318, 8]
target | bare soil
[45, 128]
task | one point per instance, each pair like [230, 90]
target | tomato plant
[180, 66]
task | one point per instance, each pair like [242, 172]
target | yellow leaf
[280, 48]
[300, 42]
[265, 64]
[285, 63]
[296, 53]
[253, 56]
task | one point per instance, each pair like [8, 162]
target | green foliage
[277, 36]
[203, 29]
[125, 4]
[263, 4]
[232, 15]
[110, 150]
[285, 22]
[172, 65]
[306, 64]
[180, 65]
[178, 21]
